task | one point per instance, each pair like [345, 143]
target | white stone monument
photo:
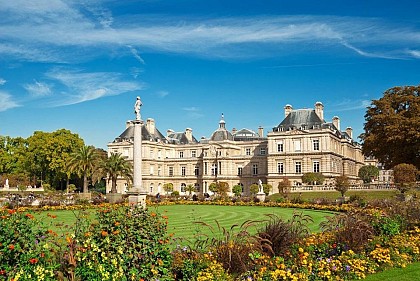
[260, 195]
[137, 194]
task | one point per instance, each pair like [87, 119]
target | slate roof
[180, 138]
[128, 135]
[221, 134]
[245, 135]
[300, 119]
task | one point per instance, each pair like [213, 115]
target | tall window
[214, 169]
[298, 167]
[193, 153]
[152, 169]
[171, 171]
[248, 151]
[183, 171]
[183, 186]
[255, 169]
[152, 154]
[280, 168]
[159, 170]
[197, 170]
[239, 171]
[315, 144]
[262, 151]
[316, 166]
[159, 154]
[205, 168]
[280, 147]
[297, 145]
[181, 154]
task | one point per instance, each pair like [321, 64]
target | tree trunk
[114, 185]
[85, 184]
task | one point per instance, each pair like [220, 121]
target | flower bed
[130, 243]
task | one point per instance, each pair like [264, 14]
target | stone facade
[302, 142]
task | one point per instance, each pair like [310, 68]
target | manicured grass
[409, 273]
[182, 219]
[367, 195]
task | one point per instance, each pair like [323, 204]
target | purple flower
[347, 268]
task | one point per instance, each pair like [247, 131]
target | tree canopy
[368, 172]
[405, 176]
[342, 184]
[313, 178]
[392, 125]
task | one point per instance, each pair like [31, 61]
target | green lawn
[182, 219]
[410, 273]
[332, 195]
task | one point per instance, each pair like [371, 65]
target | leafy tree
[84, 162]
[12, 155]
[213, 187]
[367, 172]
[254, 188]
[313, 178]
[237, 190]
[405, 176]
[392, 125]
[117, 166]
[168, 187]
[222, 188]
[190, 188]
[267, 188]
[342, 184]
[284, 187]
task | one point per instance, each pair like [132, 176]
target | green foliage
[72, 188]
[313, 178]
[213, 187]
[237, 190]
[391, 127]
[126, 242]
[267, 188]
[387, 226]
[116, 166]
[84, 162]
[175, 194]
[284, 187]
[12, 155]
[27, 248]
[254, 188]
[342, 184]
[168, 187]
[190, 189]
[368, 172]
[405, 176]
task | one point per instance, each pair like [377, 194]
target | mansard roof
[300, 119]
[245, 135]
[180, 138]
[128, 135]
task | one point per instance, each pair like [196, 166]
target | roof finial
[222, 121]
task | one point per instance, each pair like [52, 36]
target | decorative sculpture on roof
[137, 106]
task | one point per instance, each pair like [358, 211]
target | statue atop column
[137, 106]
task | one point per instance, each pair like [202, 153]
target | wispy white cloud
[7, 102]
[47, 30]
[38, 89]
[162, 94]
[414, 53]
[348, 105]
[2, 81]
[193, 112]
[87, 86]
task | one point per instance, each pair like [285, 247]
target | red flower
[11, 211]
[2, 272]
[11, 247]
[33, 261]
[29, 216]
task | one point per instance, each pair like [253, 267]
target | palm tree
[84, 162]
[117, 166]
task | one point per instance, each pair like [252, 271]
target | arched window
[183, 186]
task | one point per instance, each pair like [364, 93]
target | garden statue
[137, 106]
[260, 186]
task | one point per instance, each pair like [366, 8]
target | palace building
[302, 142]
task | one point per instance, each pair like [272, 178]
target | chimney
[150, 125]
[234, 131]
[336, 122]
[319, 110]
[188, 134]
[287, 109]
[169, 132]
[349, 132]
[261, 131]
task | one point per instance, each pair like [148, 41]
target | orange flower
[153, 214]
[33, 261]
[29, 216]
[115, 232]
[11, 247]
[116, 223]
[104, 233]
[11, 211]
[68, 239]
[42, 255]
[165, 217]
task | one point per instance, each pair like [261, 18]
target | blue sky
[79, 65]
